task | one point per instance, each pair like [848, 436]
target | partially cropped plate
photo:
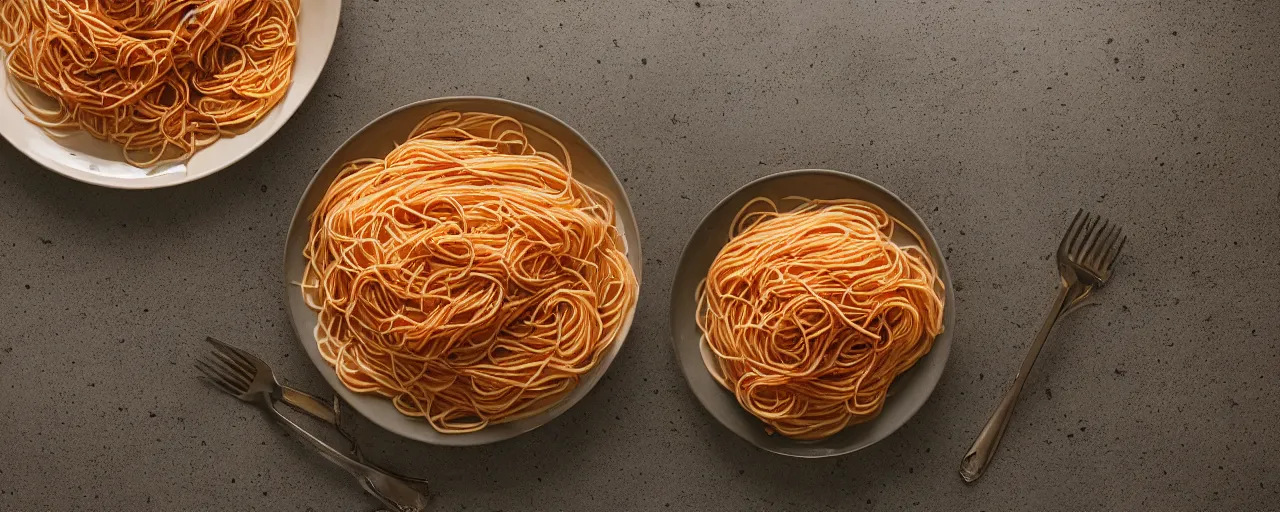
[81, 157]
[908, 392]
[377, 139]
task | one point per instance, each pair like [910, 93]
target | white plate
[80, 156]
[377, 139]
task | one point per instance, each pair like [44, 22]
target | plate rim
[943, 350]
[171, 180]
[423, 434]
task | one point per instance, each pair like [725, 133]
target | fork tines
[1088, 245]
[226, 369]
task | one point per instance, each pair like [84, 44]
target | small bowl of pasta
[812, 313]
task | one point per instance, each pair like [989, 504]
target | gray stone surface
[995, 119]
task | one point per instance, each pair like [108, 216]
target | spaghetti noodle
[811, 313]
[161, 78]
[467, 275]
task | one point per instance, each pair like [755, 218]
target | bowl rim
[941, 348]
[425, 433]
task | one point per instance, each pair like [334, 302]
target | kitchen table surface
[995, 120]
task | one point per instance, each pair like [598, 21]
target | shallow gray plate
[376, 140]
[908, 392]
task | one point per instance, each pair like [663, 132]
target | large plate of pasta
[463, 270]
[129, 94]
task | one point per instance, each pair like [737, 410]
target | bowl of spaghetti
[463, 270]
[129, 94]
[811, 313]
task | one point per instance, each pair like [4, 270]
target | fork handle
[316, 407]
[308, 403]
[391, 491]
[984, 447]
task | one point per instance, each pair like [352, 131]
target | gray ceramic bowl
[376, 140]
[908, 392]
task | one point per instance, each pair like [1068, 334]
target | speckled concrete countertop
[996, 120]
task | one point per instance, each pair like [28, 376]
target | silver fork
[245, 376]
[1086, 256]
